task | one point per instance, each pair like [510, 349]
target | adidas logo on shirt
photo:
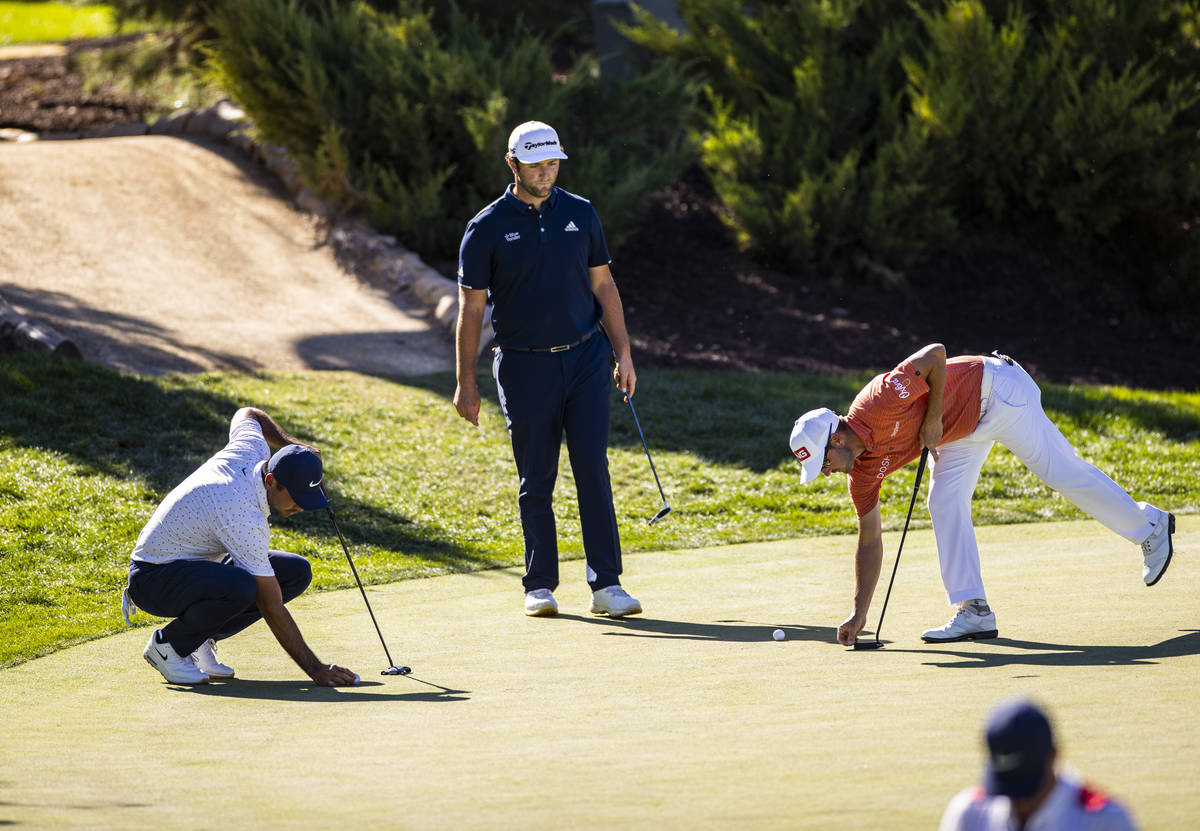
[571, 226]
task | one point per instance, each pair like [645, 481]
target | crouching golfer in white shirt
[204, 558]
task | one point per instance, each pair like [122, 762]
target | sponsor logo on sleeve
[884, 464]
[901, 386]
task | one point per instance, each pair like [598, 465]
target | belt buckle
[562, 348]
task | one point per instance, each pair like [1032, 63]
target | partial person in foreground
[1023, 787]
[539, 255]
[204, 557]
[958, 409]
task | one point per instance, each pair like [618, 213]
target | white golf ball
[779, 634]
[357, 678]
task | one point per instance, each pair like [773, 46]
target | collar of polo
[510, 198]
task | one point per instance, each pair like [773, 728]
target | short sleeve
[904, 382]
[246, 438]
[956, 817]
[474, 259]
[864, 492]
[597, 246]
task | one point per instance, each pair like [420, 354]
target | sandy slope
[158, 254]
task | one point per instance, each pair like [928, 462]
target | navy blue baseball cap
[299, 469]
[1019, 741]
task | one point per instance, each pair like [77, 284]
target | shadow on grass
[1093, 408]
[109, 422]
[1035, 653]
[744, 418]
[728, 631]
[727, 417]
[120, 425]
[309, 692]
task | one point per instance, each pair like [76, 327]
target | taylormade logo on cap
[533, 142]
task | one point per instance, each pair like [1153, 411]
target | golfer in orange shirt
[958, 409]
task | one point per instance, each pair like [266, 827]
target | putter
[666, 509]
[878, 644]
[392, 668]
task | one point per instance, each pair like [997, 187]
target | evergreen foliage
[387, 115]
[856, 135]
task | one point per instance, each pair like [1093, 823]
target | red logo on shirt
[802, 453]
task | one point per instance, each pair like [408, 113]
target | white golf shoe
[206, 659]
[1158, 548]
[966, 625]
[614, 601]
[540, 603]
[177, 670]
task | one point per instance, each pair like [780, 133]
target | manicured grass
[690, 715]
[44, 22]
[87, 453]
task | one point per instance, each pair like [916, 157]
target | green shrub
[1068, 114]
[807, 140]
[387, 115]
[854, 134]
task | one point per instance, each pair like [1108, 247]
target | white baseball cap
[534, 141]
[810, 437]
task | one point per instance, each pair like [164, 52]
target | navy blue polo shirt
[534, 265]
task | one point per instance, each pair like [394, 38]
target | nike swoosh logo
[314, 484]
[1004, 762]
[161, 654]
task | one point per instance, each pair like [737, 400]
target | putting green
[689, 716]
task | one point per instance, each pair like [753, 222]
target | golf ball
[357, 678]
[779, 634]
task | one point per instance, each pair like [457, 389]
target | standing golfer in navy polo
[538, 253]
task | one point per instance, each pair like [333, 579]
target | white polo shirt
[220, 509]
[1071, 806]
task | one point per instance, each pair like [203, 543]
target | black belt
[562, 348]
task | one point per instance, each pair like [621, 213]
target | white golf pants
[1014, 417]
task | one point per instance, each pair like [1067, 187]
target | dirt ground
[693, 300]
[156, 254]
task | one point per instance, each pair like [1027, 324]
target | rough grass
[45, 22]
[87, 453]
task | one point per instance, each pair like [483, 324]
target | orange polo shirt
[887, 416]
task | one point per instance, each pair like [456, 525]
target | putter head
[666, 509]
[396, 671]
[868, 645]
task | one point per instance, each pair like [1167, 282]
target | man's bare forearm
[467, 333]
[275, 435]
[283, 627]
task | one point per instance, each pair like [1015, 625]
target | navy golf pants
[544, 395]
[209, 599]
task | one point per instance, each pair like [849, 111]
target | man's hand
[847, 633]
[466, 401]
[333, 676]
[931, 434]
[624, 375]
